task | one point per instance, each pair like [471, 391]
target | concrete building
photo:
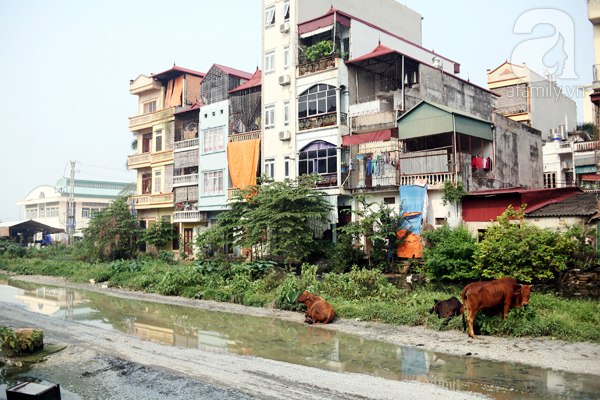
[591, 99]
[160, 97]
[531, 99]
[48, 204]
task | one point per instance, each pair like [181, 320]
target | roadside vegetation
[278, 222]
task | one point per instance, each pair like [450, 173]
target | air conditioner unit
[285, 135]
[285, 27]
[284, 80]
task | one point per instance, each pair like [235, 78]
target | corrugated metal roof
[255, 81]
[236, 73]
[582, 204]
[427, 119]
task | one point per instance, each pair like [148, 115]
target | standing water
[299, 344]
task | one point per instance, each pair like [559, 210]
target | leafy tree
[513, 247]
[449, 254]
[112, 233]
[271, 218]
[377, 222]
[160, 232]
[590, 128]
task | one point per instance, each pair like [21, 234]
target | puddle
[299, 344]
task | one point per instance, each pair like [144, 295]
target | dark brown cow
[318, 311]
[447, 309]
[499, 295]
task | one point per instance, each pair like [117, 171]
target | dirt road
[277, 380]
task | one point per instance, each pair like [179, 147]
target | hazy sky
[65, 67]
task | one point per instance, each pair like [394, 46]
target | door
[188, 234]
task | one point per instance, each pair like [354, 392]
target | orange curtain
[243, 162]
[177, 91]
[412, 245]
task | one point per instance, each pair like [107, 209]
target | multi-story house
[591, 99]
[381, 111]
[160, 97]
[531, 99]
[49, 204]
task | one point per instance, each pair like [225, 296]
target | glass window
[270, 62]
[270, 168]
[286, 57]
[286, 167]
[269, 17]
[85, 212]
[158, 182]
[285, 12]
[213, 183]
[158, 140]
[213, 139]
[319, 99]
[286, 113]
[270, 117]
[322, 161]
[149, 106]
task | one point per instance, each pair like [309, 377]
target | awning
[243, 162]
[378, 136]
[12, 229]
[326, 20]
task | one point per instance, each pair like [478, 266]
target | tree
[160, 232]
[112, 233]
[513, 247]
[377, 222]
[272, 218]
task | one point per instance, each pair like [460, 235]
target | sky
[65, 67]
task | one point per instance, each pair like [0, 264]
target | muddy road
[119, 359]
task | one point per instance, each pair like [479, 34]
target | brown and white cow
[447, 309]
[499, 295]
[318, 311]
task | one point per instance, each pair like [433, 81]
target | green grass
[358, 294]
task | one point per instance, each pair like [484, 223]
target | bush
[449, 254]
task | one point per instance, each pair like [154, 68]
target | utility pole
[71, 207]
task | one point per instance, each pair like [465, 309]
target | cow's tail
[463, 307]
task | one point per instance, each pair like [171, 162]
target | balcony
[321, 121]
[137, 161]
[236, 137]
[186, 144]
[149, 200]
[587, 146]
[190, 216]
[434, 181]
[185, 180]
[317, 66]
[158, 158]
[147, 119]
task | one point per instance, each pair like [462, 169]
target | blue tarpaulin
[412, 198]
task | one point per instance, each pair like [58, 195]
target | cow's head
[303, 297]
[433, 309]
[521, 296]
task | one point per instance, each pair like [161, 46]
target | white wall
[549, 107]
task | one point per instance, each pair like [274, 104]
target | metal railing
[318, 121]
[312, 67]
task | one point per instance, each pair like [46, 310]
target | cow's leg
[505, 310]
[448, 319]
[471, 319]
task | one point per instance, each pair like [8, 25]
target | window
[286, 57]
[146, 142]
[213, 183]
[286, 167]
[270, 168]
[270, 62]
[158, 140]
[389, 200]
[270, 117]
[213, 139]
[158, 182]
[149, 106]
[319, 99]
[286, 113]
[285, 12]
[146, 183]
[319, 157]
[549, 180]
[52, 210]
[85, 213]
[270, 17]
[42, 210]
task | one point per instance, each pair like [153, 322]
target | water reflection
[306, 345]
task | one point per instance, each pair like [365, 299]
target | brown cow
[318, 311]
[498, 295]
[447, 309]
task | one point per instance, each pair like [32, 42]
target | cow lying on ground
[447, 309]
[318, 311]
[499, 295]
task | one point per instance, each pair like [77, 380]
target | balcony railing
[138, 160]
[317, 66]
[185, 180]
[318, 121]
[587, 146]
[149, 199]
[151, 117]
[184, 144]
[434, 181]
[161, 157]
[236, 137]
[190, 216]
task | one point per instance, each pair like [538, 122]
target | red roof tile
[236, 73]
[195, 106]
[255, 81]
